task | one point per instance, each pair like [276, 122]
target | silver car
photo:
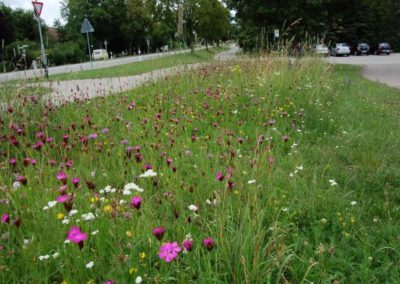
[340, 49]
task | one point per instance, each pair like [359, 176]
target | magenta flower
[12, 161]
[5, 218]
[169, 251]
[188, 245]
[169, 161]
[62, 198]
[65, 138]
[61, 176]
[69, 164]
[105, 131]
[136, 201]
[75, 182]
[208, 243]
[158, 232]
[38, 145]
[22, 180]
[110, 282]
[75, 235]
[93, 136]
[219, 176]
[148, 167]
[285, 138]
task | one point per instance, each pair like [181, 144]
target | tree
[213, 21]
[7, 28]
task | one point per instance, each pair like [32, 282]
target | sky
[50, 12]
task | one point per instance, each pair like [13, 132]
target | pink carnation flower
[169, 251]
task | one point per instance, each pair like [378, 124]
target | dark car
[383, 48]
[361, 48]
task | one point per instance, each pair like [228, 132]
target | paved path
[384, 69]
[69, 91]
[29, 74]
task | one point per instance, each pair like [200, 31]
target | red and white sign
[37, 6]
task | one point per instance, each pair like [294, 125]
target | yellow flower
[64, 282]
[129, 234]
[352, 220]
[133, 270]
[142, 255]
[92, 200]
[236, 191]
[107, 208]
[60, 216]
[90, 282]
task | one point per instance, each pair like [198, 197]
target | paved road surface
[28, 74]
[382, 68]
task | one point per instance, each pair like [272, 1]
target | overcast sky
[50, 12]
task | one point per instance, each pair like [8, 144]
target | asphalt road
[29, 74]
[383, 68]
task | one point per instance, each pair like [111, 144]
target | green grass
[289, 226]
[143, 66]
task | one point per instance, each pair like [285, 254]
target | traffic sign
[37, 7]
[87, 27]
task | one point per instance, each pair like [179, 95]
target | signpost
[37, 7]
[86, 29]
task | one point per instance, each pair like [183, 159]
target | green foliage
[68, 52]
[373, 21]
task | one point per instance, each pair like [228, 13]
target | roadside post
[86, 29]
[37, 7]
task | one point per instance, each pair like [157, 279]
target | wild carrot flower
[158, 232]
[136, 202]
[169, 251]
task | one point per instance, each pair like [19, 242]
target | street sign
[37, 7]
[277, 33]
[87, 27]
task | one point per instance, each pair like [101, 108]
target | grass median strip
[240, 172]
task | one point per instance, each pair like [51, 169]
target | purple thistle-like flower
[188, 245]
[136, 202]
[158, 232]
[75, 182]
[208, 243]
[169, 251]
[5, 218]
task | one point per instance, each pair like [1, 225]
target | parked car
[383, 48]
[340, 49]
[100, 54]
[321, 49]
[361, 48]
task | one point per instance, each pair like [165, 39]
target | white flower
[65, 221]
[46, 208]
[16, 185]
[67, 241]
[89, 216]
[73, 212]
[56, 254]
[285, 209]
[300, 168]
[27, 242]
[89, 265]
[93, 174]
[43, 257]
[193, 207]
[131, 186]
[332, 182]
[51, 204]
[121, 202]
[149, 173]
[138, 280]
[95, 232]
[251, 181]
[353, 203]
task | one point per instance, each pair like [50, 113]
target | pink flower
[148, 167]
[187, 244]
[158, 232]
[169, 161]
[62, 198]
[12, 161]
[208, 243]
[285, 138]
[219, 176]
[75, 182]
[105, 131]
[61, 176]
[169, 251]
[136, 201]
[22, 180]
[75, 235]
[5, 218]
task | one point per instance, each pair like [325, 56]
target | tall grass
[308, 155]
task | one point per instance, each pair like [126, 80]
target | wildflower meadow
[261, 170]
